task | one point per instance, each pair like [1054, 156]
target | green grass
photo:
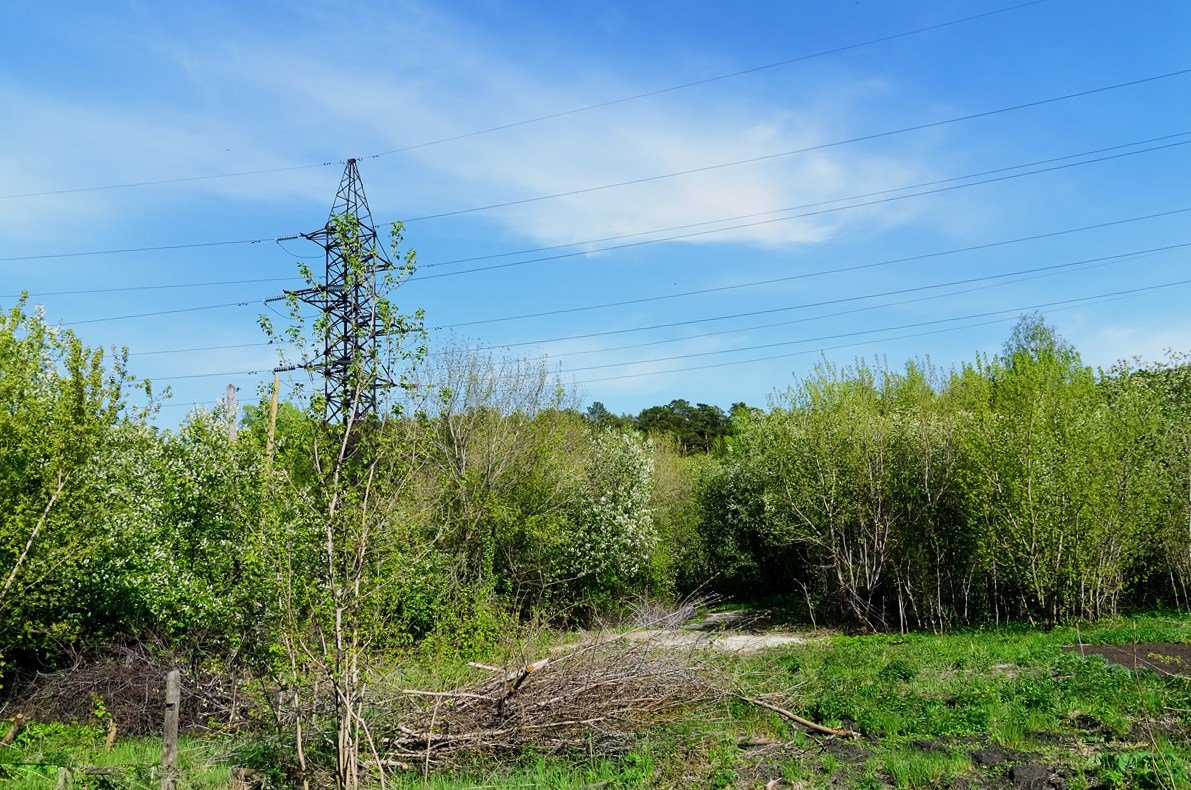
[911, 768]
[923, 703]
[33, 760]
[1012, 687]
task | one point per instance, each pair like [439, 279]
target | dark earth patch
[1165, 658]
[1035, 777]
[992, 756]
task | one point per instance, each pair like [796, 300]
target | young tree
[341, 536]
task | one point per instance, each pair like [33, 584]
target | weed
[912, 768]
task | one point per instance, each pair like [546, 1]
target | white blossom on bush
[613, 533]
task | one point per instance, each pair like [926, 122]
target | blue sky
[94, 95]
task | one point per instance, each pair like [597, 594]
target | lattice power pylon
[352, 372]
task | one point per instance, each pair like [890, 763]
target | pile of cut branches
[593, 695]
[126, 683]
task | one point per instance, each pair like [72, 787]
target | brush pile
[124, 686]
[593, 696]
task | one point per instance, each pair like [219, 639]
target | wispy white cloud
[1116, 342]
[256, 101]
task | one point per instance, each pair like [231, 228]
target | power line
[820, 212]
[192, 404]
[160, 248]
[844, 299]
[736, 330]
[550, 116]
[815, 204]
[1079, 300]
[195, 348]
[161, 312]
[1056, 268]
[859, 332]
[705, 81]
[435, 264]
[124, 288]
[819, 273]
[1104, 297]
[208, 375]
[807, 149]
[787, 278]
[835, 314]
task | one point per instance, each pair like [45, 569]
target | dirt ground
[1165, 658]
[730, 632]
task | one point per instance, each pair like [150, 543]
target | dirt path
[727, 632]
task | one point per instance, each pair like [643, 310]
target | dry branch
[794, 717]
[127, 679]
[595, 695]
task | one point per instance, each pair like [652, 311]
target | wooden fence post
[169, 752]
[18, 723]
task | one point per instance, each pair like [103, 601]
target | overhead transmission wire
[876, 135]
[734, 330]
[807, 275]
[816, 204]
[191, 404]
[820, 303]
[770, 281]
[844, 299]
[1109, 296]
[809, 148]
[197, 348]
[803, 215]
[549, 116]
[646, 242]
[613, 348]
[583, 252]
[129, 250]
[160, 287]
[709, 80]
[825, 316]
[154, 313]
[1085, 299]
[780, 343]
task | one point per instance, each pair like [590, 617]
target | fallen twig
[794, 717]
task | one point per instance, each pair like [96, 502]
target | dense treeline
[1022, 486]
[700, 428]
[1025, 486]
[501, 502]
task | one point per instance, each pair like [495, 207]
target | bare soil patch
[1165, 658]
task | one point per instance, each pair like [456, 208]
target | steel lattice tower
[347, 297]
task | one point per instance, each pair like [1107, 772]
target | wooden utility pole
[272, 423]
[233, 412]
[169, 752]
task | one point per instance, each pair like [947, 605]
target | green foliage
[1026, 486]
[1143, 770]
[912, 768]
[697, 428]
[33, 759]
[62, 410]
